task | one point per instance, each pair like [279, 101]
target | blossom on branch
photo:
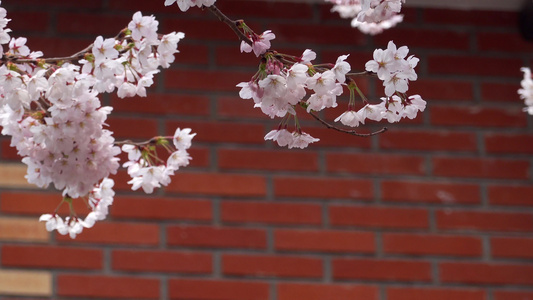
[52, 112]
[369, 16]
[526, 92]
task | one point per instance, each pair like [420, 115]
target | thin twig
[76, 56]
[364, 73]
[150, 141]
[352, 132]
[231, 23]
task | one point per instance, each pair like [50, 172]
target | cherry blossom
[369, 16]
[52, 111]
[392, 68]
[260, 43]
[526, 90]
[184, 5]
[57, 122]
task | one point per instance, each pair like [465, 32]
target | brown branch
[364, 73]
[76, 56]
[352, 132]
[147, 142]
[231, 23]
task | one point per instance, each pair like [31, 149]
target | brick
[12, 176]
[510, 195]
[148, 6]
[200, 156]
[430, 192]
[507, 42]
[267, 160]
[511, 247]
[231, 56]
[499, 92]
[442, 89]
[34, 203]
[51, 257]
[271, 266]
[306, 291]
[117, 233]
[383, 270]
[470, 17]
[19, 24]
[428, 140]
[57, 46]
[85, 23]
[418, 38]
[25, 283]
[190, 80]
[512, 295]
[199, 289]
[287, 10]
[7, 152]
[161, 261]
[483, 273]
[396, 293]
[162, 208]
[328, 241]
[116, 287]
[322, 188]
[367, 163]
[239, 109]
[216, 237]
[22, 229]
[54, 3]
[317, 34]
[191, 53]
[478, 116]
[508, 143]
[431, 244]
[484, 221]
[271, 213]
[195, 29]
[162, 105]
[221, 132]
[218, 184]
[481, 168]
[474, 65]
[378, 217]
[142, 129]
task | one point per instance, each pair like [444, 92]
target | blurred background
[439, 207]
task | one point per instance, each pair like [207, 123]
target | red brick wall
[440, 207]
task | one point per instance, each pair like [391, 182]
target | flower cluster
[369, 16]
[99, 199]
[392, 109]
[51, 110]
[142, 161]
[260, 43]
[526, 92]
[283, 82]
[296, 139]
[184, 5]
[395, 69]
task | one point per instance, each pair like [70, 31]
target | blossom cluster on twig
[51, 110]
[369, 16]
[526, 90]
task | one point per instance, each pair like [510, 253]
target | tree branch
[231, 23]
[352, 132]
